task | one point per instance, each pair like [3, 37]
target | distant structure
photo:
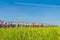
[23, 24]
[21, 20]
[1, 21]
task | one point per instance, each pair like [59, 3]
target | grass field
[42, 33]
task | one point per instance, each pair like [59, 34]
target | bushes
[45, 33]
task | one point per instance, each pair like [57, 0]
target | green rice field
[41, 33]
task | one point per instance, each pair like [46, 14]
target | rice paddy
[41, 33]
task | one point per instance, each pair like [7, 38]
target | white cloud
[37, 4]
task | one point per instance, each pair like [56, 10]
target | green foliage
[42, 33]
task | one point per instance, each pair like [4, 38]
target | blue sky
[41, 11]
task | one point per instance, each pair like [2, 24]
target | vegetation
[42, 33]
